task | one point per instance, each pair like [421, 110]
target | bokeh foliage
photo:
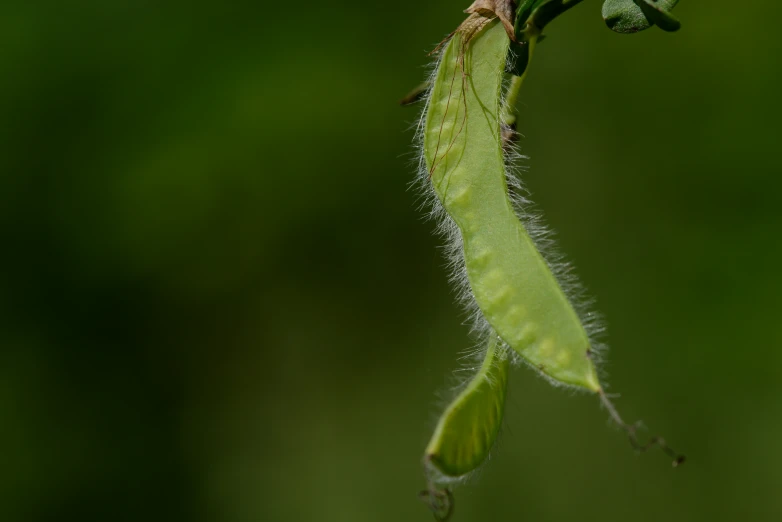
[219, 300]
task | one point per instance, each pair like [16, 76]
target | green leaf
[658, 11]
[632, 16]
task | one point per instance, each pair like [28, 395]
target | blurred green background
[219, 300]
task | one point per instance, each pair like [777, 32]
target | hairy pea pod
[512, 284]
[468, 428]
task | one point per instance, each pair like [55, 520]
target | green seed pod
[469, 426]
[511, 283]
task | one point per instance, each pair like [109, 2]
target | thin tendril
[631, 430]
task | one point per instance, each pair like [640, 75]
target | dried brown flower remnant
[481, 13]
[502, 9]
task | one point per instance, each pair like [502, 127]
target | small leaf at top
[632, 16]
[658, 11]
